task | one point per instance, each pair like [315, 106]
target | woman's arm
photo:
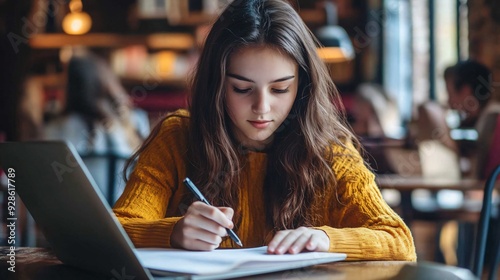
[361, 223]
[152, 187]
[151, 208]
[356, 219]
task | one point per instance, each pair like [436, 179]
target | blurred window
[420, 39]
[397, 60]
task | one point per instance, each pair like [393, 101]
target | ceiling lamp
[337, 46]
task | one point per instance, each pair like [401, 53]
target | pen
[190, 185]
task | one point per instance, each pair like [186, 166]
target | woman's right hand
[202, 227]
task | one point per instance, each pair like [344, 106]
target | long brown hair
[300, 160]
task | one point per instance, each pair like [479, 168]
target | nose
[261, 103]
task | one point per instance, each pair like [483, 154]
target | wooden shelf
[318, 18]
[51, 80]
[162, 81]
[174, 41]
[193, 19]
[309, 16]
[312, 16]
[197, 18]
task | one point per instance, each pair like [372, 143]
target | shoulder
[176, 121]
[173, 129]
[492, 108]
[348, 161]
[345, 149]
[489, 114]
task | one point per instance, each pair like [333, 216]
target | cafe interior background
[392, 59]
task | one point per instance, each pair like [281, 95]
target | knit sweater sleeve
[142, 207]
[362, 225]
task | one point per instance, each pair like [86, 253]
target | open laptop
[71, 211]
[69, 208]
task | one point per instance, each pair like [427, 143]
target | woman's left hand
[297, 240]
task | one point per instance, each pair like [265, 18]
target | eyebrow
[248, 80]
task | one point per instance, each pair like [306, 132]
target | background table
[407, 184]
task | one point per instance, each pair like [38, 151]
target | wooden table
[40, 263]
[407, 184]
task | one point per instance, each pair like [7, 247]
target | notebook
[227, 263]
[82, 230]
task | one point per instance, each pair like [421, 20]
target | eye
[239, 90]
[276, 90]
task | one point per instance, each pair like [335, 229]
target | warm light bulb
[77, 23]
[165, 63]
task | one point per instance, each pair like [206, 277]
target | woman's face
[261, 85]
[460, 99]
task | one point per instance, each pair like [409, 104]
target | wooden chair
[483, 229]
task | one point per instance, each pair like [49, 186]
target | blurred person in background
[470, 93]
[99, 118]
[375, 120]
[99, 115]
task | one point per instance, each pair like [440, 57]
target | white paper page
[222, 260]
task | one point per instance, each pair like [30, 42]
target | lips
[260, 124]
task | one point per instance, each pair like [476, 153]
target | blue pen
[190, 185]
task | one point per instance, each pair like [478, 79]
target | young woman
[264, 142]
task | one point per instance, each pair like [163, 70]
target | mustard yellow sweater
[355, 217]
